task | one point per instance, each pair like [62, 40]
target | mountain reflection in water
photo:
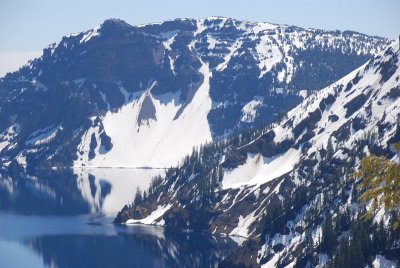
[63, 219]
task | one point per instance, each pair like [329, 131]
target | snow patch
[242, 228]
[90, 34]
[258, 169]
[268, 55]
[153, 217]
[43, 136]
[381, 262]
[249, 111]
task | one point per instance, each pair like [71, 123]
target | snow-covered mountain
[287, 187]
[122, 95]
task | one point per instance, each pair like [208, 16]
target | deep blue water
[63, 219]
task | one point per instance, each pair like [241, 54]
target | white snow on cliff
[381, 262]
[153, 217]
[258, 169]
[161, 139]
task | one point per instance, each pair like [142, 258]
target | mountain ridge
[256, 73]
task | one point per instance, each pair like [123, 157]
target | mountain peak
[113, 22]
[218, 18]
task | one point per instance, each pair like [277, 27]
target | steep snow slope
[286, 182]
[259, 170]
[154, 131]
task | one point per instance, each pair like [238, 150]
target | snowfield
[153, 217]
[258, 169]
[147, 141]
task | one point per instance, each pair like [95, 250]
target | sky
[26, 27]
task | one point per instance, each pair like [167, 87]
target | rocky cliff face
[288, 187]
[120, 95]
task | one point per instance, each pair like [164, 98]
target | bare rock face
[147, 111]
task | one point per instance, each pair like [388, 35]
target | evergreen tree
[328, 235]
[138, 197]
[380, 185]
[155, 183]
[144, 195]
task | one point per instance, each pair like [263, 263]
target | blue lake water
[63, 219]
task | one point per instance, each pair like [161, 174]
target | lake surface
[63, 219]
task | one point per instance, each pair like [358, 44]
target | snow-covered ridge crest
[261, 32]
